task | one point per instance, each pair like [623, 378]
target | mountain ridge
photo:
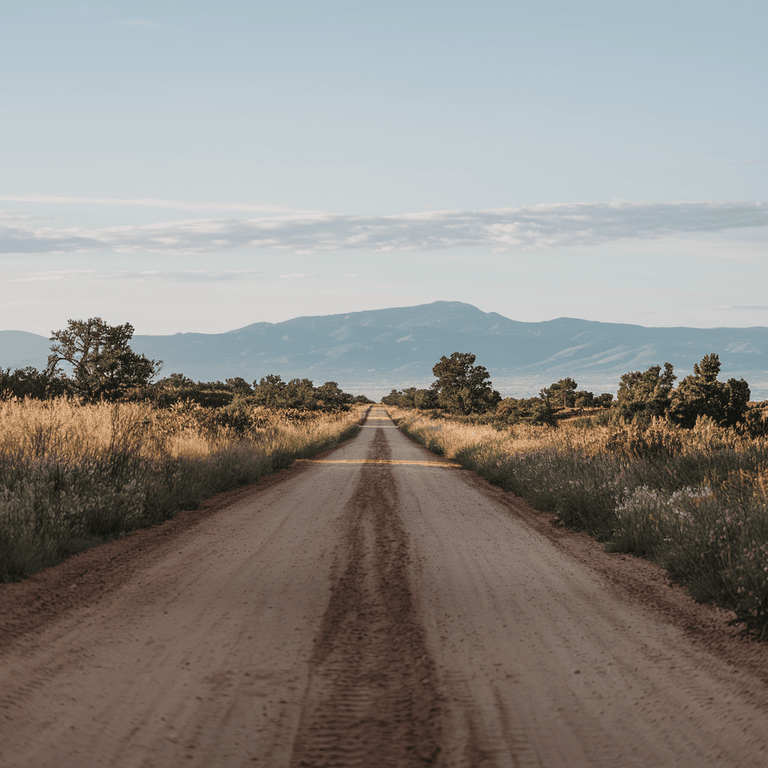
[373, 351]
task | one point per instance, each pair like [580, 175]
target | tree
[643, 396]
[29, 382]
[702, 394]
[391, 398]
[176, 381]
[300, 394]
[103, 364]
[412, 397]
[331, 398]
[531, 410]
[239, 386]
[561, 394]
[425, 399]
[603, 401]
[270, 391]
[463, 387]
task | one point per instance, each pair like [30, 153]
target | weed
[693, 500]
[72, 476]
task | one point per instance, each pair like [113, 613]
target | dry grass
[73, 475]
[694, 501]
[451, 437]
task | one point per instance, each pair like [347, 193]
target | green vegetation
[412, 398]
[29, 382]
[464, 390]
[530, 410]
[648, 395]
[461, 388]
[703, 395]
[676, 475]
[237, 395]
[645, 396]
[101, 451]
[104, 367]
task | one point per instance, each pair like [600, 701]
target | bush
[72, 476]
[702, 395]
[693, 500]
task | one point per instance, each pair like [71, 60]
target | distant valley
[375, 351]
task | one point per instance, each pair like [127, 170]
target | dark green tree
[425, 399]
[407, 398]
[392, 397]
[270, 391]
[527, 410]
[29, 382]
[603, 401]
[463, 387]
[239, 386]
[411, 397]
[561, 394]
[643, 396]
[330, 398]
[300, 394]
[103, 364]
[176, 381]
[703, 395]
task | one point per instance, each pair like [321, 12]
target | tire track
[372, 697]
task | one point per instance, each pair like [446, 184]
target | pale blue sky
[302, 158]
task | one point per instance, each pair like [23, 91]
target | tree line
[465, 389]
[101, 366]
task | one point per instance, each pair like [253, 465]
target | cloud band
[539, 227]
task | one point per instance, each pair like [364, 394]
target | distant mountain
[375, 351]
[18, 349]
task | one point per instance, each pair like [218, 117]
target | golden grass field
[693, 500]
[73, 475]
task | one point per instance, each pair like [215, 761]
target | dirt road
[373, 608]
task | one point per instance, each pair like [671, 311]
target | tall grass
[694, 501]
[72, 476]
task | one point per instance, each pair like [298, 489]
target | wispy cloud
[179, 205]
[747, 307]
[539, 227]
[167, 276]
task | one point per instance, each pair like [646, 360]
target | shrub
[72, 476]
[693, 500]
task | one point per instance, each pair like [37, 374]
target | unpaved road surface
[373, 608]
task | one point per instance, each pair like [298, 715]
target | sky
[197, 167]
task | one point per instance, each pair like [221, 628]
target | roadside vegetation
[675, 475]
[92, 448]
[93, 454]
[73, 475]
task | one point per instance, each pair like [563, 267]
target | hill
[374, 351]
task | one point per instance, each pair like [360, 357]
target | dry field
[693, 501]
[72, 476]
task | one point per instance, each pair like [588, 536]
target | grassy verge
[693, 501]
[73, 476]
